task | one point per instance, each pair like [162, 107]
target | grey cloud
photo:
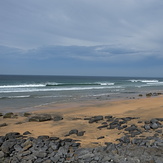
[87, 53]
[31, 24]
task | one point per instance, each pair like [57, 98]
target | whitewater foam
[22, 86]
[57, 89]
[144, 81]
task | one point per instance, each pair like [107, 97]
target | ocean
[18, 91]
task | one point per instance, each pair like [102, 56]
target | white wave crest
[22, 86]
[156, 83]
[106, 84]
[145, 81]
[13, 97]
[57, 89]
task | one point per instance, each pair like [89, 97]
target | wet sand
[74, 114]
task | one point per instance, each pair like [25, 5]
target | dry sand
[74, 114]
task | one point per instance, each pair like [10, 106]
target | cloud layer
[96, 33]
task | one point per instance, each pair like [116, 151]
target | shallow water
[17, 92]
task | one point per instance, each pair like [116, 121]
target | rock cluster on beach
[15, 148]
[139, 142]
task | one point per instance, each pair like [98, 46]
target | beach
[74, 114]
[81, 131]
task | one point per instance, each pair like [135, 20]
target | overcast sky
[82, 37]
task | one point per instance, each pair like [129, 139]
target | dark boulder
[3, 124]
[103, 126]
[12, 135]
[57, 117]
[124, 139]
[95, 119]
[101, 137]
[81, 133]
[154, 125]
[42, 137]
[159, 119]
[54, 138]
[147, 127]
[26, 133]
[131, 128]
[153, 120]
[74, 131]
[40, 118]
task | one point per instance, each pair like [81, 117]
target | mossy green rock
[8, 115]
[27, 114]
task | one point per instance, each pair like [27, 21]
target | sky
[82, 37]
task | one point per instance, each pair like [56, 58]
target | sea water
[19, 91]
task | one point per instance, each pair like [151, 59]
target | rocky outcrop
[44, 149]
[44, 117]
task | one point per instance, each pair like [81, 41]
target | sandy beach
[75, 117]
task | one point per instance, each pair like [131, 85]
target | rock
[87, 118]
[12, 135]
[40, 118]
[95, 119]
[108, 117]
[25, 153]
[42, 137]
[27, 114]
[27, 144]
[81, 133]
[154, 126]
[7, 146]
[1, 114]
[3, 124]
[104, 126]
[131, 128]
[8, 115]
[133, 134]
[124, 139]
[68, 140]
[148, 94]
[104, 123]
[53, 138]
[74, 131]
[26, 133]
[129, 118]
[101, 137]
[2, 154]
[75, 144]
[57, 118]
[158, 131]
[86, 156]
[124, 126]
[106, 158]
[63, 150]
[159, 119]
[47, 161]
[17, 147]
[147, 127]
[153, 120]
[40, 154]
[147, 122]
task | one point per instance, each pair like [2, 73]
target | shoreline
[61, 104]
